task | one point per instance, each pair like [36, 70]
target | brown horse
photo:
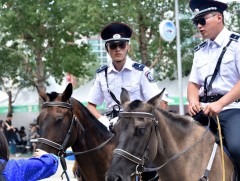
[177, 147]
[65, 122]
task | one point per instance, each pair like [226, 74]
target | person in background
[165, 100]
[42, 165]
[9, 132]
[34, 135]
[23, 135]
[212, 89]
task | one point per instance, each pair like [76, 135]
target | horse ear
[42, 94]
[67, 93]
[155, 101]
[124, 97]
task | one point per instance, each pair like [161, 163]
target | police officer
[121, 72]
[211, 87]
[165, 100]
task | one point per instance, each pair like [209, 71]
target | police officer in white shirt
[121, 72]
[214, 88]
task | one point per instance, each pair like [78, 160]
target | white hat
[166, 97]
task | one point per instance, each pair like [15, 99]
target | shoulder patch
[198, 47]
[234, 37]
[101, 68]
[149, 76]
[138, 66]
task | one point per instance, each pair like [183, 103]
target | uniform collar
[127, 65]
[221, 37]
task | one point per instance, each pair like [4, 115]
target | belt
[213, 98]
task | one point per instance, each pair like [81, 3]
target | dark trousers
[230, 124]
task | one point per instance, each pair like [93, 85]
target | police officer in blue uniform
[121, 72]
[214, 83]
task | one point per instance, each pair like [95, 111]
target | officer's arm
[93, 109]
[231, 96]
[193, 98]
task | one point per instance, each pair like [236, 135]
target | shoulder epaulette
[234, 37]
[138, 66]
[101, 68]
[198, 47]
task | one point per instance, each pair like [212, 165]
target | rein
[140, 161]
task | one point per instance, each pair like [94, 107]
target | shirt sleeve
[148, 85]
[194, 74]
[31, 169]
[96, 95]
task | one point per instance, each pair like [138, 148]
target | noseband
[60, 148]
[139, 161]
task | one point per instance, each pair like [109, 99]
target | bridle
[139, 161]
[60, 148]
[140, 168]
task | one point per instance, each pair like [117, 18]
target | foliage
[38, 39]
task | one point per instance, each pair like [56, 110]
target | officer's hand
[194, 108]
[105, 121]
[114, 120]
[213, 109]
[38, 153]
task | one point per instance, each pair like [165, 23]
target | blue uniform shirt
[30, 169]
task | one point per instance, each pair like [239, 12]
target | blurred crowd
[20, 140]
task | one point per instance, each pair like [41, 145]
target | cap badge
[116, 36]
[196, 11]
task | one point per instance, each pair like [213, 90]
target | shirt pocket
[134, 91]
[227, 66]
[202, 69]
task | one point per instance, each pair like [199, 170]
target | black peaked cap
[116, 31]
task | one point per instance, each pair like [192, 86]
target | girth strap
[210, 162]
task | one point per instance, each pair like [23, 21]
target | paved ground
[57, 176]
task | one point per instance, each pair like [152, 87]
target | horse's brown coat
[87, 133]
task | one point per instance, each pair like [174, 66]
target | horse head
[135, 125]
[57, 121]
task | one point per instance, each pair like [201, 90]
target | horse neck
[94, 132]
[175, 133]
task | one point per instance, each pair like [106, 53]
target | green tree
[38, 40]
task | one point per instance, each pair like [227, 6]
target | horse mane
[178, 120]
[89, 116]
[138, 104]
[52, 96]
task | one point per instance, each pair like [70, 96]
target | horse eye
[140, 131]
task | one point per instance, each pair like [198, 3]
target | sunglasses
[120, 44]
[201, 20]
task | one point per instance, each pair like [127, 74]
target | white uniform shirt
[205, 60]
[139, 84]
